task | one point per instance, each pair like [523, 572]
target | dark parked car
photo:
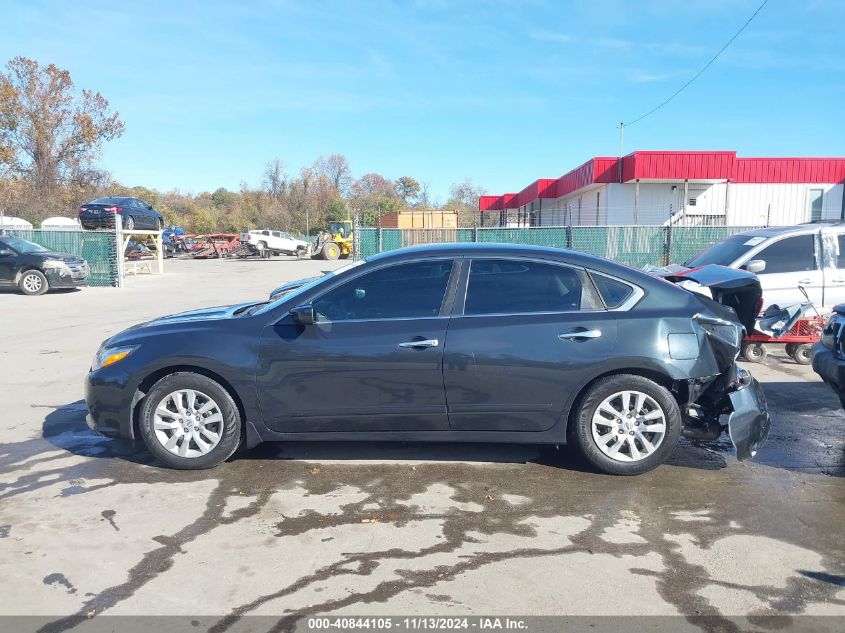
[35, 270]
[134, 213]
[454, 342]
[829, 353]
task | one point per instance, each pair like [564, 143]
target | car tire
[33, 282]
[129, 225]
[165, 439]
[618, 444]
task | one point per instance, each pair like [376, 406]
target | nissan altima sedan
[451, 342]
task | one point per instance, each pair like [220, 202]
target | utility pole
[621, 150]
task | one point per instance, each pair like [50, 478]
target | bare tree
[275, 179]
[336, 169]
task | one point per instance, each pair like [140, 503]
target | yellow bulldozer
[335, 242]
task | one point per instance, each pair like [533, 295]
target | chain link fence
[636, 246]
[98, 248]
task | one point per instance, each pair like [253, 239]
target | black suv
[135, 214]
[35, 270]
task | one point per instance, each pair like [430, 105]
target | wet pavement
[91, 526]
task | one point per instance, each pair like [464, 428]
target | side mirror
[755, 266]
[304, 314]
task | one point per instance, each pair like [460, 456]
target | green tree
[336, 210]
[408, 189]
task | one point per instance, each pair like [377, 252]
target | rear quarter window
[612, 291]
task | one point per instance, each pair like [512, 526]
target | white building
[680, 188]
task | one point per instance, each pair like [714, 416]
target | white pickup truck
[274, 242]
[786, 257]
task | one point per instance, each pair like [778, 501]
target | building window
[692, 201]
[816, 204]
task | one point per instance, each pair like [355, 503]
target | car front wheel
[190, 422]
[627, 425]
[33, 282]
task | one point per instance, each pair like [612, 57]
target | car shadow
[814, 446]
[66, 429]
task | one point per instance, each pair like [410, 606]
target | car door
[288, 243]
[147, 216]
[8, 264]
[279, 241]
[833, 259]
[522, 336]
[791, 261]
[372, 361]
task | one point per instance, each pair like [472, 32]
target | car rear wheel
[627, 424]
[129, 225]
[33, 282]
[190, 422]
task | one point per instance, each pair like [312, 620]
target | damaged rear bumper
[748, 423]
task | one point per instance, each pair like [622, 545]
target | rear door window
[501, 286]
[840, 259]
[789, 255]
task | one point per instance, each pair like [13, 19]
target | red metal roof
[666, 165]
[789, 170]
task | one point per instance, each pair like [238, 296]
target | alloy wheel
[188, 423]
[32, 283]
[628, 426]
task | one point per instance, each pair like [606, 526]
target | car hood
[292, 285]
[44, 255]
[204, 314]
[736, 289]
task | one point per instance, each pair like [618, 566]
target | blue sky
[500, 92]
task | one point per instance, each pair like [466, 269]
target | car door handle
[579, 333]
[431, 342]
[838, 281]
[805, 282]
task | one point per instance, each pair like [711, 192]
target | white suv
[277, 242]
[785, 257]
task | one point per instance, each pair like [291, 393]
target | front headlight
[106, 356]
[53, 263]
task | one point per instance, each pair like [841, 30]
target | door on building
[815, 201]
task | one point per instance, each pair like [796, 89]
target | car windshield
[727, 251]
[23, 246]
[311, 284]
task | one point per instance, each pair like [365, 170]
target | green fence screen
[98, 248]
[633, 245]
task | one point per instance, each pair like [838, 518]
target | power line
[703, 68]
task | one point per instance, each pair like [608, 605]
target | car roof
[488, 249]
[774, 231]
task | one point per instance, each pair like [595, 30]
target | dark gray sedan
[453, 342]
